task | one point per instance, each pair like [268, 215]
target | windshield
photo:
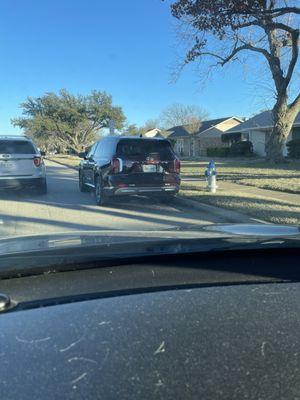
[122, 118]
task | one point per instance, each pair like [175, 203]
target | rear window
[16, 147]
[145, 148]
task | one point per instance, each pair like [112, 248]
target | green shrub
[241, 148]
[293, 148]
[217, 152]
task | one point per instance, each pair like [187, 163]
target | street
[66, 209]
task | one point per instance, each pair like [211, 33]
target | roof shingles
[182, 131]
[263, 120]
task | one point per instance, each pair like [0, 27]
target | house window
[180, 146]
[246, 136]
[192, 152]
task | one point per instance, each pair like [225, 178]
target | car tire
[99, 195]
[42, 187]
[82, 186]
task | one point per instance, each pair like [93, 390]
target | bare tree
[135, 130]
[222, 30]
[150, 124]
[180, 114]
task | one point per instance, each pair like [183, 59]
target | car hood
[83, 239]
[111, 244]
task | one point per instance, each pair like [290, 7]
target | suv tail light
[116, 165]
[37, 161]
[177, 166]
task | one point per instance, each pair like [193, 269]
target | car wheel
[82, 186]
[42, 187]
[99, 196]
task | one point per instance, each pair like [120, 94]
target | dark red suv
[119, 165]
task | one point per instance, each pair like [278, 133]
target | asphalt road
[66, 209]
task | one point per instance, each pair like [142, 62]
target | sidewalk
[291, 198]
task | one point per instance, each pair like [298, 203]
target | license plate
[149, 168]
[6, 165]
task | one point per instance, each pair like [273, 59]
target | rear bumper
[122, 191]
[144, 179]
[17, 183]
[141, 183]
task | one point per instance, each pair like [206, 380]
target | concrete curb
[231, 216]
[61, 163]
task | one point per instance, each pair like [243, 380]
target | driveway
[65, 209]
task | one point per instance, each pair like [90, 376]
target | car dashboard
[187, 326]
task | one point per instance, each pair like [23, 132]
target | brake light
[37, 161]
[177, 166]
[116, 165]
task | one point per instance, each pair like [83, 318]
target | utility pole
[111, 127]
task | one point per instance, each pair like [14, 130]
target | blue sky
[125, 47]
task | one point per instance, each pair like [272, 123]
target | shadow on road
[65, 208]
[135, 210]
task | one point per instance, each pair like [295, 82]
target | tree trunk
[283, 119]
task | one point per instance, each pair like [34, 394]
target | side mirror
[82, 154]
[43, 153]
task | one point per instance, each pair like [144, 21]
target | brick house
[194, 141]
[257, 129]
[181, 137]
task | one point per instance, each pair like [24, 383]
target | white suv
[21, 164]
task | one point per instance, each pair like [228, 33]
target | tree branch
[282, 11]
[64, 135]
[295, 106]
[274, 62]
[264, 24]
[271, 12]
[245, 25]
[209, 53]
[295, 54]
[281, 26]
[246, 46]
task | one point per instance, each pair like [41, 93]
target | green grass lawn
[288, 185]
[271, 210]
[72, 161]
[281, 177]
